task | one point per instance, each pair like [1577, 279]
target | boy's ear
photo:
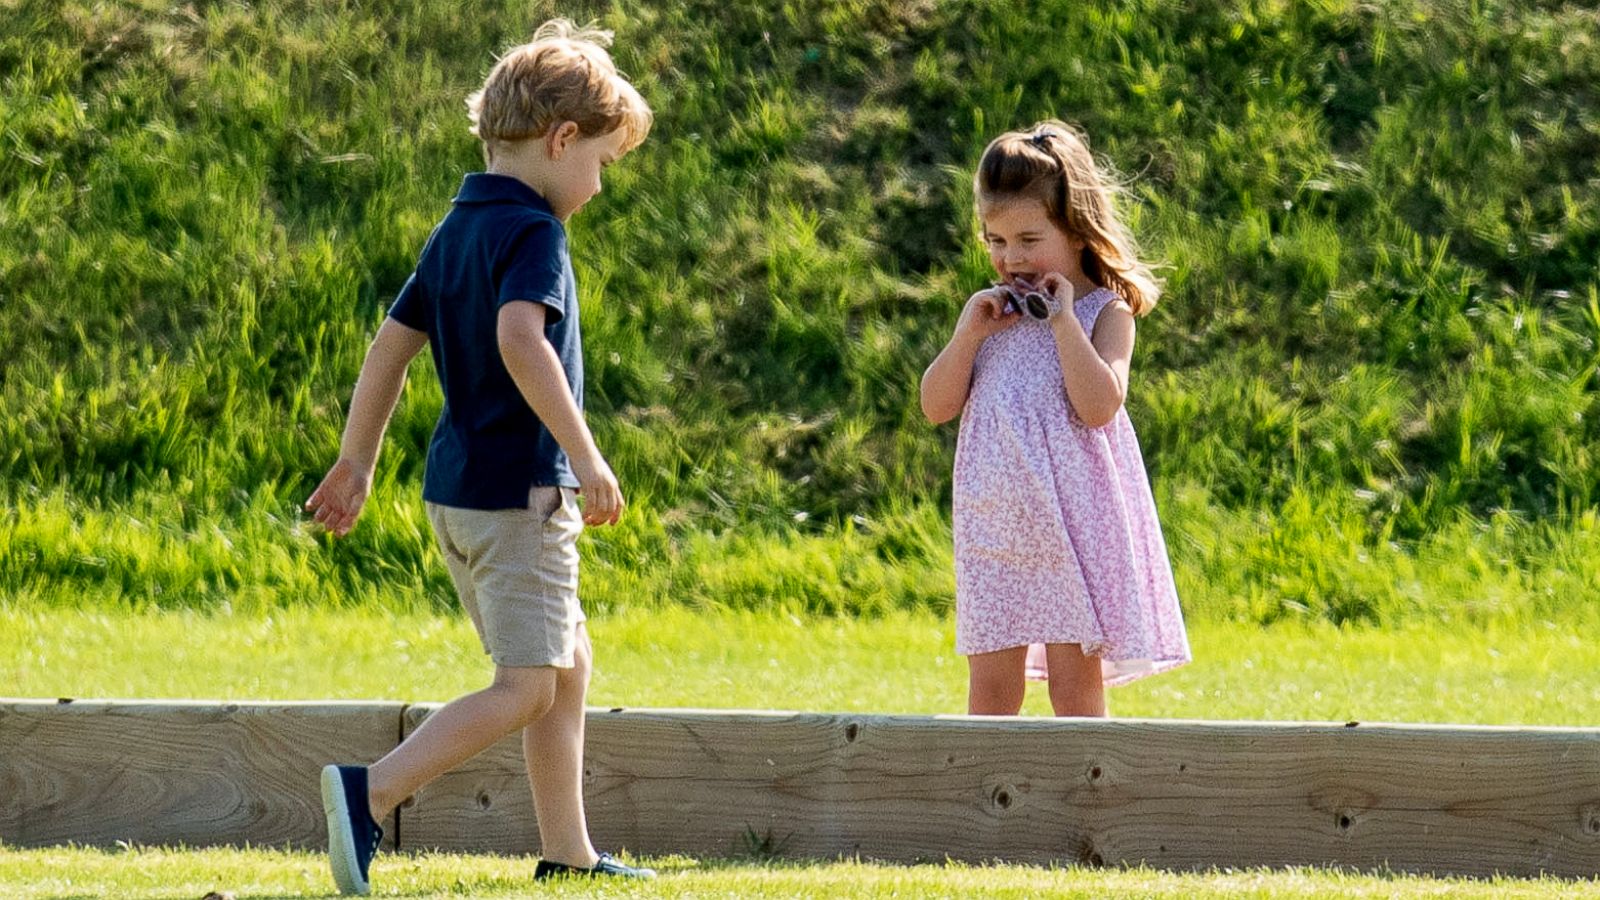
[560, 138]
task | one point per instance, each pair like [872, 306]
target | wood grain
[1177, 795]
[200, 774]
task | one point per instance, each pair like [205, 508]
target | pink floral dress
[1056, 537]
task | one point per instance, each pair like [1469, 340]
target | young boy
[493, 296]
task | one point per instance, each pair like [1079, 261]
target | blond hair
[1051, 163]
[563, 75]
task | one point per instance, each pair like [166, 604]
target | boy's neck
[522, 162]
[520, 173]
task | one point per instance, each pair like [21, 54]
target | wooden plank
[484, 805]
[200, 774]
[1178, 795]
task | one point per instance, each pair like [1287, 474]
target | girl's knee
[994, 696]
[1069, 699]
[995, 683]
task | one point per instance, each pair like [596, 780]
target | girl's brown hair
[1051, 163]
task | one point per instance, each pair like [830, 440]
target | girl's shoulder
[1100, 297]
[1091, 305]
[1118, 304]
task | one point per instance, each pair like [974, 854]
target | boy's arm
[536, 369]
[338, 500]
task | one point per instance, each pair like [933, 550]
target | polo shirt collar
[484, 187]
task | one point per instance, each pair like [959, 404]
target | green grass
[150, 873]
[1368, 403]
[901, 663]
[1370, 395]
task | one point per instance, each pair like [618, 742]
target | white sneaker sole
[341, 842]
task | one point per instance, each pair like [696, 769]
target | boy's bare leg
[460, 730]
[1076, 684]
[553, 748]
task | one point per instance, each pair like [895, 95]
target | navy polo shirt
[500, 243]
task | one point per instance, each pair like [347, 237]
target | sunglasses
[1026, 299]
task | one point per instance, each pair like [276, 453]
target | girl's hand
[986, 314]
[1057, 286]
[337, 501]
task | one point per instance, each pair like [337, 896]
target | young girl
[1056, 538]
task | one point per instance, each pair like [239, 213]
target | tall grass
[1369, 395]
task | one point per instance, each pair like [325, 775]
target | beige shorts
[516, 572]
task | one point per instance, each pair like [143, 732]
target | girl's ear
[1077, 242]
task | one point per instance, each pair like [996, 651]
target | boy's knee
[531, 690]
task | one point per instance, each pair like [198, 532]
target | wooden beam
[200, 774]
[1180, 795]
[1171, 794]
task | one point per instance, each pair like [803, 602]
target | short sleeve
[533, 268]
[411, 307]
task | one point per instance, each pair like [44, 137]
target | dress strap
[1088, 307]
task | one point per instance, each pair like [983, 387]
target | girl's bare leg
[995, 684]
[1076, 687]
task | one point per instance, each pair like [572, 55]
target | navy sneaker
[607, 865]
[352, 834]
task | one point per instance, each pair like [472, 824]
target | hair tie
[1039, 139]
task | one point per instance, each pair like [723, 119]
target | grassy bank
[903, 662]
[1369, 395]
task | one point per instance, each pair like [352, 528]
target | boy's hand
[602, 497]
[986, 314]
[337, 501]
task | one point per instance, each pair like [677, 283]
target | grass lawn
[1522, 673]
[60, 873]
[1525, 673]
[1369, 394]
